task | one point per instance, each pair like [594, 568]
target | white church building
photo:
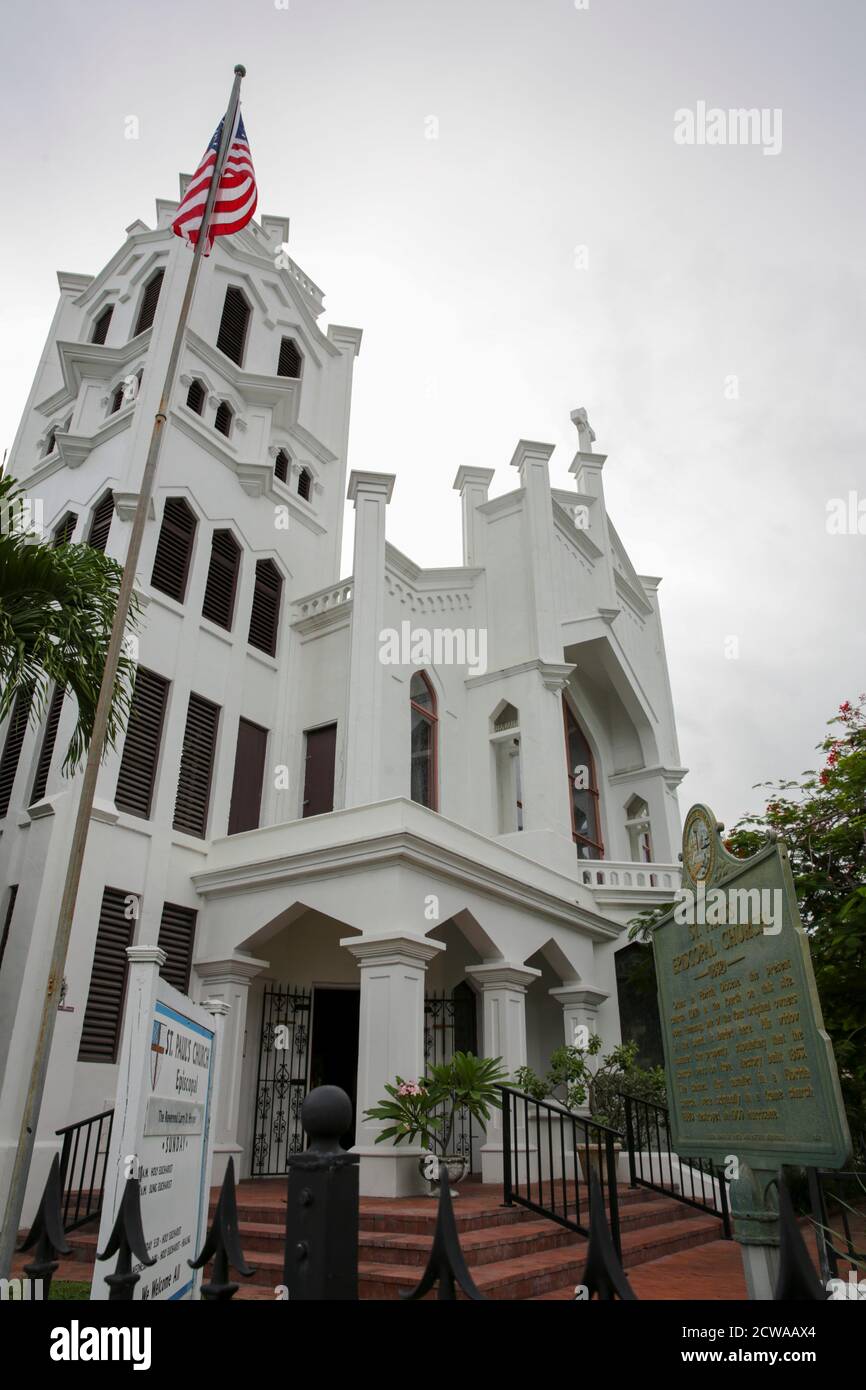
[395, 812]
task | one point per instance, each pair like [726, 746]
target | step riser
[485, 1255]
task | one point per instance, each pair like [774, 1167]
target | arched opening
[583, 785]
[424, 770]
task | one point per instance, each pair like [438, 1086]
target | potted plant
[426, 1110]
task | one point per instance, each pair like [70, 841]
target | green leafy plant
[426, 1110]
[575, 1082]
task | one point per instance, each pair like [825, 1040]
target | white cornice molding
[91, 362]
[343, 337]
[549, 672]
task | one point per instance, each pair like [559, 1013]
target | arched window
[100, 327]
[638, 826]
[265, 612]
[222, 579]
[117, 398]
[425, 737]
[174, 549]
[506, 754]
[149, 301]
[281, 466]
[305, 484]
[585, 817]
[232, 336]
[63, 530]
[100, 524]
[196, 396]
[290, 359]
[223, 418]
[51, 442]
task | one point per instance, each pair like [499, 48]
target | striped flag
[236, 197]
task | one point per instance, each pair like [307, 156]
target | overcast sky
[554, 246]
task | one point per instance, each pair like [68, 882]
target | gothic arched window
[425, 737]
[583, 789]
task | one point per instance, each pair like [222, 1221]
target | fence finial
[797, 1278]
[446, 1263]
[47, 1232]
[126, 1239]
[603, 1274]
[223, 1245]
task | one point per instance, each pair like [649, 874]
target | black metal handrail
[553, 1179]
[83, 1159]
[651, 1162]
[826, 1203]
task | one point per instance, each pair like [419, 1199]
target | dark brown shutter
[149, 301]
[305, 480]
[281, 466]
[195, 397]
[12, 747]
[176, 938]
[46, 752]
[222, 578]
[290, 359]
[100, 328]
[174, 549]
[196, 766]
[50, 443]
[97, 537]
[265, 615]
[232, 336]
[100, 1033]
[63, 531]
[248, 777]
[321, 748]
[117, 399]
[137, 774]
[7, 921]
[222, 421]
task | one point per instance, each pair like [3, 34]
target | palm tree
[56, 609]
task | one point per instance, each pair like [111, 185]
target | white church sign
[162, 1129]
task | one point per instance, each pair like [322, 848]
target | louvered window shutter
[176, 938]
[248, 777]
[196, 767]
[289, 363]
[63, 532]
[232, 336]
[222, 578]
[12, 747]
[100, 1033]
[117, 399]
[281, 466]
[265, 615]
[174, 549]
[46, 751]
[195, 397]
[100, 328]
[100, 525]
[137, 774]
[7, 923]
[305, 483]
[149, 301]
[223, 418]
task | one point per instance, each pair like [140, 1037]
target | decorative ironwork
[446, 1264]
[450, 1025]
[603, 1274]
[651, 1162]
[126, 1240]
[281, 1084]
[550, 1176]
[47, 1233]
[223, 1245]
[82, 1168]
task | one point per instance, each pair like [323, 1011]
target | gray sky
[484, 322]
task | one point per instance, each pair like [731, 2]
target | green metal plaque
[750, 1069]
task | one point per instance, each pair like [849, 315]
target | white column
[371, 493]
[390, 1044]
[228, 980]
[503, 987]
[473, 484]
[531, 461]
[580, 1005]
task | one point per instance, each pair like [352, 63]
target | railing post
[723, 1199]
[613, 1193]
[629, 1139]
[506, 1147]
[321, 1256]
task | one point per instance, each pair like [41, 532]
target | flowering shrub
[426, 1110]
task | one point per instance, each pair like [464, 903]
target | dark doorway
[638, 1002]
[321, 748]
[334, 1052]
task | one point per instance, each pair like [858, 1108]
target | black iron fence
[549, 1155]
[652, 1163]
[836, 1197]
[82, 1168]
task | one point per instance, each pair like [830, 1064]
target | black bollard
[321, 1258]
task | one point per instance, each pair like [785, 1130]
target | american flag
[236, 197]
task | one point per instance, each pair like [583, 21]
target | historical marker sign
[750, 1069]
[161, 1131]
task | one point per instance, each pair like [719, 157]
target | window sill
[192, 842]
[258, 655]
[222, 634]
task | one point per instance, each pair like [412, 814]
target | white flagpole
[42, 1052]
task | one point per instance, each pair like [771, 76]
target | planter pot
[457, 1166]
[597, 1163]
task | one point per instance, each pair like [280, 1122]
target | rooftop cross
[585, 432]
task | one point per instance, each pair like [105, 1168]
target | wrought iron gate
[281, 1084]
[449, 1027]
